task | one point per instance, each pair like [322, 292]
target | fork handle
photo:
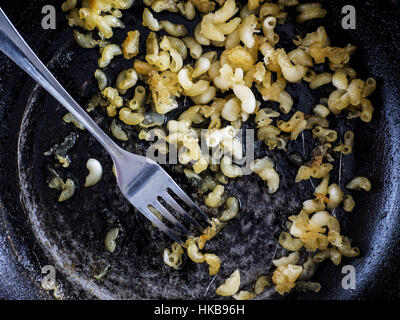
[14, 46]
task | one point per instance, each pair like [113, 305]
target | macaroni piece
[285, 102]
[185, 139]
[269, 134]
[194, 47]
[92, 16]
[244, 295]
[321, 111]
[201, 66]
[108, 53]
[284, 277]
[130, 46]
[261, 283]
[309, 269]
[164, 5]
[295, 125]
[305, 172]
[233, 147]
[230, 170]
[348, 203]
[213, 262]
[290, 243]
[214, 137]
[95, 172]
[232, 209]
[347, 146]
[176, 30]
[313, 120]
[204, 6]
[110, 239]
[214, 198]
[369, 87]
[139, 98]
[322, 188]
[164, 88]
[231, 284]
[309, 11]
[291, 72]
[214, 25]
[118, 132]
[324, 135]
[176, 62]
[232, 40]
[130, 117]
[311, 231]
[339, 80]
[68, 5]
[264, 168]
[366, 110]
[173, 257]
[67, 188]
[69, 118]
[359, 183]
[246, 96]
[318, 80]
[126, 79]
[335, 196]
[205, 97]
[160, 59]
[194, 114]
[237, 57]
[114, 100]
[187, 9]
[191, 88]
[193, 251]
[274, 10]
[308, 286]
[314, 205]
[101, 78]
[268, 27]
[246, 29]
[347, 250]
[231, 110]
[301, 57]
[253, 4]
[85, 40]
[292, 258]
[209, 233]
[200, 37]
[331, 253]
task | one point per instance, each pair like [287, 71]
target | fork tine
[171, 201]
[164, 212]
[149, 215]
[181, 194]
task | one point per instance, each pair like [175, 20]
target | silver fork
[141, 180]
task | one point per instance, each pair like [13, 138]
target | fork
[141, 180]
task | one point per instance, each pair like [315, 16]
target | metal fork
[141, 180]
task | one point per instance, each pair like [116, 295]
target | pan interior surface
[71, 233]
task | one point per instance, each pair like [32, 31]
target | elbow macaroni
[264, 168]
[130, 46]
[221, 91]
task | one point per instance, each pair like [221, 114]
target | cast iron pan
[35, 230]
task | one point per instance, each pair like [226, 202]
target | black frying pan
[35, 230]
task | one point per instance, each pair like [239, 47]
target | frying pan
[36, 231]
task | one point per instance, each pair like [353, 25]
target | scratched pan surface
[35, 230]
